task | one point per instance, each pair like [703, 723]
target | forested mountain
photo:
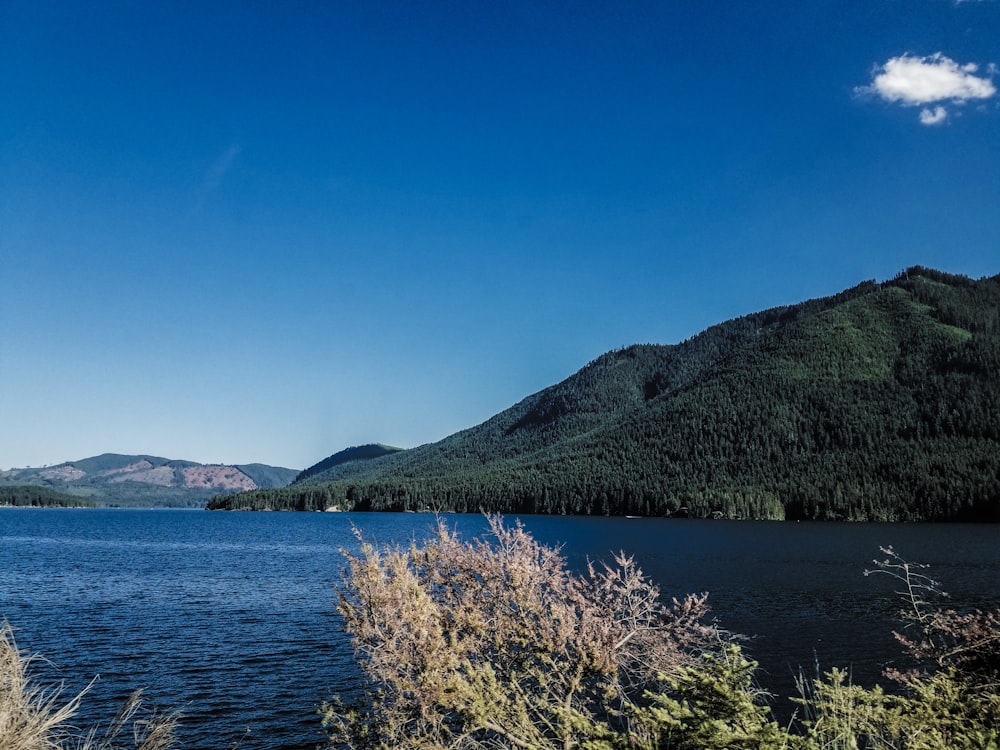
[358, 453]
[115, 479]
[879, 403]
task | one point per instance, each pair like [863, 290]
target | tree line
[33, 496]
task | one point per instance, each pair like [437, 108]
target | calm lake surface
[229, 617]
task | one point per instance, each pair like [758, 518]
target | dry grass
[33, 719]
[30, 718]
[153, 733]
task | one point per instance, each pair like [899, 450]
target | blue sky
[262, 232]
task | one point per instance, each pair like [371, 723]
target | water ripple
[230, 618]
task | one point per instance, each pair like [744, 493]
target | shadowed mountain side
[879, 403]
[357, 453]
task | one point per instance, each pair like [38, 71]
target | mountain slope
[115, 479]
[357, 453]
[882, 402]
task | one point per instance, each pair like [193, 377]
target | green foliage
[880, 403]
[714, 704]
[950, 698]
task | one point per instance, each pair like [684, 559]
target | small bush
[950, 698]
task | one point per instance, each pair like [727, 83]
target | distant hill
[879, 403]
[357, 453]
[268, 476]
[114, 479]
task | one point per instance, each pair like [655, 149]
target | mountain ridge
[881, 402]
[140, 479]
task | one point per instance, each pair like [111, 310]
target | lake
[229, 617]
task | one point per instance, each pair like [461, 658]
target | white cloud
[934, 116]
[914, 81]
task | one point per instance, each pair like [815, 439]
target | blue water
[229, 618]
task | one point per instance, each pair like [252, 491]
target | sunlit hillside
[882, 402]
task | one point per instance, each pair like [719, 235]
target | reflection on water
[229, 617]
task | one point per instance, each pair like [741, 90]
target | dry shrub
[495, 643]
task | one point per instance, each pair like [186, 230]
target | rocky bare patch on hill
[113, 479]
